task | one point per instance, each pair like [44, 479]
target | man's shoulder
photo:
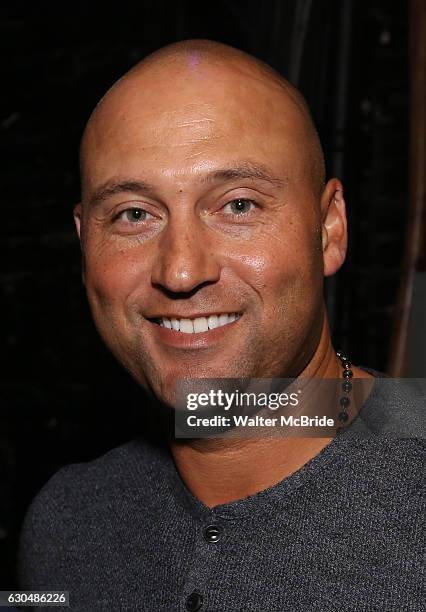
[396, 408]
[84, 500]
[73, 488]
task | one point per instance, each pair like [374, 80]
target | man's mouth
[197, 325]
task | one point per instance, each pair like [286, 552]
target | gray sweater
[344, 533]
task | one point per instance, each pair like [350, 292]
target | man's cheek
[294, 286]
[111, 274]
[256, 266]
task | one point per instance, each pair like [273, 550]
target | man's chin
[169, 387]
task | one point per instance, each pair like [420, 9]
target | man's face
[198, 206]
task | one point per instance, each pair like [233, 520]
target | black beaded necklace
[346, 388]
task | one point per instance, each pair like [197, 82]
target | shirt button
[194, 602]
[212, 533]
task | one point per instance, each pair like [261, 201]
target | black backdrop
[63, 398]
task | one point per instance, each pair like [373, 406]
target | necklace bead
[344, 401]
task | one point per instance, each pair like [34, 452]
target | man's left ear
[77, 221]
[334, 227]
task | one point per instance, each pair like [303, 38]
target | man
[206, 229]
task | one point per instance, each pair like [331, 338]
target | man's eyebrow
[111, 188]
[245, 171]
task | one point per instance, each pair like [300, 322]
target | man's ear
[77, 221]
[334, 227]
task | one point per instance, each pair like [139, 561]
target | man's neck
[219, 471]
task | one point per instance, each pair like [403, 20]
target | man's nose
[186, 257]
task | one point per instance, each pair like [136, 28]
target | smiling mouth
[197, 325]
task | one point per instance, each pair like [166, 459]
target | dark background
[63, 399]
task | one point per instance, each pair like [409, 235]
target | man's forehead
[171, 92]
[205, 112]
[195, 105]
[189, 148]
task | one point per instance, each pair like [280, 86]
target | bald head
[201, 179]
[184, 72]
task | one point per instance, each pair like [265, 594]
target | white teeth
[223, 319]
[198, 325]
[213, 321]
[186, 326]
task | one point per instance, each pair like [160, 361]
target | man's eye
[240, 206]
[133, 215]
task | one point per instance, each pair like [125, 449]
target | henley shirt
[344, 533]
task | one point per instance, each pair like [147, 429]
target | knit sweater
[344, 533]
